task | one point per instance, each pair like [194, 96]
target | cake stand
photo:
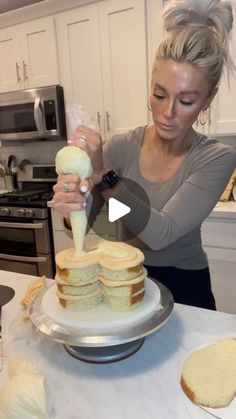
[110, 338]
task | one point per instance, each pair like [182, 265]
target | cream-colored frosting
[18, 365]
[111, 255]
[25, 396]
[78, 221]
[67, 259]
[71, 159]
[68, 297]
[110, 283]
[60, 281]
[119, 255]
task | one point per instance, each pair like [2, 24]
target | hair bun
[214, 14]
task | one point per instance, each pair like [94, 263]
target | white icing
[71, 159]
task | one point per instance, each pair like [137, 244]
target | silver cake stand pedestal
[104, 346]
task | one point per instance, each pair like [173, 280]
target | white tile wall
[44, 152]
[38, 152]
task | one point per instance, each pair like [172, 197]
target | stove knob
[5, 211]
[29, 213]
[21, 212]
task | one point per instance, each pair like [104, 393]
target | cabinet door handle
[18, 72]
[99, 119]
[25, 71]
[209, 115]
[108, 121]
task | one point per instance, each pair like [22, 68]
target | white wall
[37, 152]
[40, 152]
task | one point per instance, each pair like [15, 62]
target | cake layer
[114, 283]
[122, 274]
[208, 375]
[81, 302]
[78, 277]
[81, 290]
[124, 303]
[128, 291]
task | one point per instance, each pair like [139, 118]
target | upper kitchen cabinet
[103, 62]
[222, 117]
[28, 55]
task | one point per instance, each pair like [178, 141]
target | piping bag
[71, 159]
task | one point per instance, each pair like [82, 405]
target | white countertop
[144, 386]
[224, 210]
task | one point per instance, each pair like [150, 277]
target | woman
[183, 172]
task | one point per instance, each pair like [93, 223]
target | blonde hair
[198, 33]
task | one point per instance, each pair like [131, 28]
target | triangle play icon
[116, 209]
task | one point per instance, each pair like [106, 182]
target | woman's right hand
[92, 145]
[70, 194]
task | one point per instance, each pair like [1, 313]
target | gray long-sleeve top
[172, 236]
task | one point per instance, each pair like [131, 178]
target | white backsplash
[44, 152]
[38, 152]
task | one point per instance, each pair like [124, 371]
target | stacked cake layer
[78, 286]
[122, 275]
[113, 272]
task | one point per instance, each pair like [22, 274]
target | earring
[203, 116]
[149, 107]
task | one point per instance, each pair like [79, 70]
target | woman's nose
[169, 109]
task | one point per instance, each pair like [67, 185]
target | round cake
[113, 273]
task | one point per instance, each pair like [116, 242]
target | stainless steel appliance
[33, 114]
[26, 238]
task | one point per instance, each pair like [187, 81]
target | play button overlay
[116, 210]
[124, 216]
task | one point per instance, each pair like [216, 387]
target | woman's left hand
[90, 141]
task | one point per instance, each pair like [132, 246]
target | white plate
[228, 412]
[101, 316]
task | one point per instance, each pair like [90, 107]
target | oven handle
[23, 226]
[23, 258]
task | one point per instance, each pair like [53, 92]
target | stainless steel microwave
[32, 114]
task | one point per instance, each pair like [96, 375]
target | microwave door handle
[39, 115]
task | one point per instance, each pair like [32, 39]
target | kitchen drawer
[62, 241]
[223, 284]
[218, 233]
[221, 254]
[101, 225]
[57, 220]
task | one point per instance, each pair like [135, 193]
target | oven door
[26, 247]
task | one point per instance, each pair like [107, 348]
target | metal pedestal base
[105, 354]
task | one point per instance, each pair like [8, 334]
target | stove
[26, 237]
[28, 203]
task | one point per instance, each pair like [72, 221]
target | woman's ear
[210, 98]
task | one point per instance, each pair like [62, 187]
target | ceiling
[8, 5]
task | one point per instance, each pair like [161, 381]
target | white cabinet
[62, 239]
[103, 62]
[28, 55]
[219, 241]
[222, 114]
